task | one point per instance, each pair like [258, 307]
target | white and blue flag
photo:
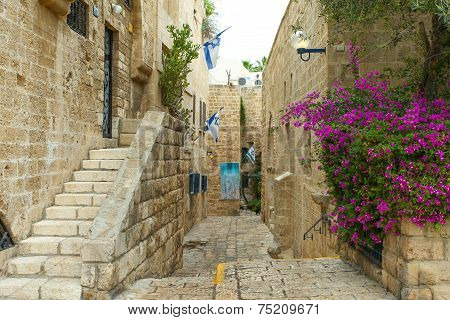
[212, 50]
[212, 126]
[251, 154]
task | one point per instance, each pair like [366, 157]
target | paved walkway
[250, 273]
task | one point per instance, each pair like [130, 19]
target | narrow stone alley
[241, 243]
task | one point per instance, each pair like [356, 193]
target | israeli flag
[212, 126]
[212, 50]
[251, 154]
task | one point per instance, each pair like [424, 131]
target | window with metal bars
[127, 2]
[77, 18]
[5, 240]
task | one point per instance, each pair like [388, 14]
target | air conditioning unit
[242, 81]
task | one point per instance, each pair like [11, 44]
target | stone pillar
[416, 264]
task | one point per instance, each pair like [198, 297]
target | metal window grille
[245, 180]
[375, 253]
[77, 18]
[127, 2]
[197, 183]
[5, 240]
[204, 183]
[194, 183]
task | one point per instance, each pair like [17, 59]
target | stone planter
[61, 8]
[416, 264]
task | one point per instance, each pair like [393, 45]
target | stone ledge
[59, 7]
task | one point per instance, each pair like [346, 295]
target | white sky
[254, 24]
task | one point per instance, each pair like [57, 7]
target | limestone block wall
[196, 205]
[416, 264]
[288, 207]
[228, 148]
[252, 129]
[139, 229]
[51, 101]
[287, 79]
[52, 87]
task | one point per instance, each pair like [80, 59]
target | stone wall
[288, 206]
[416, 264]
[291, 212]
[138, 231]
[52, 86]
[51, 92]
[227, 149]
[251, 130]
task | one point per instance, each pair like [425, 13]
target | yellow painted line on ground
[220, 274]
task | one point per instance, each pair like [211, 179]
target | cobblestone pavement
[250, 273]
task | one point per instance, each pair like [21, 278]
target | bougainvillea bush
[384, 150]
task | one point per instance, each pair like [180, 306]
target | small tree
[242, 114]
[173, 81]
[209, 23]
[258, 67]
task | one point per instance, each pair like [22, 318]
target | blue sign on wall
[229, 180]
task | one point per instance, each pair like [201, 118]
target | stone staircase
[48, 265]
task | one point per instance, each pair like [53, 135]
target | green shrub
[173, 81]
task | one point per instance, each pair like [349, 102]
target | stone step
[95, 176]
[54, 266]
[129, 125]
[70, 213]
[40, 288]
[108, 154]
[80, 187]
[102, 164]
[62, 212]
[26, 265]
[80, 199]
[61, 289]
[62, 228]
[126, 139]
[21, 288]
[50, 245]
[63, 266]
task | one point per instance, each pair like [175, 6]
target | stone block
[62, 266]
[419, 248]
[97, 250]
[56, 228]
[416, 294]
[87, 213]
[410, 229]
[61, 213]
[21, 288]
[90, 176]
[434, 272]
[88, 275]
[108, 154]
[391, 283]
[107, 276]
[40, 245]
[26, 265]
[61, 289]
[408, 272]
[60, 7]
[71, 246]
[441, 292]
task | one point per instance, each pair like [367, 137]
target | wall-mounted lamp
[117, 8]
[300, 42]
